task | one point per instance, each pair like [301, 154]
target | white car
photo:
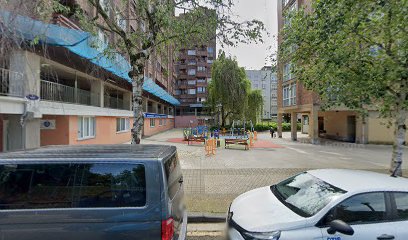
[328, 204]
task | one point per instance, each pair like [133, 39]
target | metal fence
[11, 83]
[61, 93]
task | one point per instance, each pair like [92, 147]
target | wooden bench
[195, 139]
[238, 142]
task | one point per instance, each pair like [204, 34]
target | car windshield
[305, 194]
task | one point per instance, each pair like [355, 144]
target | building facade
[295, 101]
[64, 91]
[193, 75]
[266, 81]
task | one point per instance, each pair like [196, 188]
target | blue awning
[79, 42]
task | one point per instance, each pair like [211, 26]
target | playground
[241, 136]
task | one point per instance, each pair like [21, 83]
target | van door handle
[385, 237]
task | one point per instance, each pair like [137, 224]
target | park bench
[238, 142]
[195, 139]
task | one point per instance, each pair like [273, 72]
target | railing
[113, 102]
[11, 83]
[61, 93]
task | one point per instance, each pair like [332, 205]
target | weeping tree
[158, 27]
[354, 54]
[228, 89]
[255, 106]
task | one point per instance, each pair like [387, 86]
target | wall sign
[48, 124]
[154, 115]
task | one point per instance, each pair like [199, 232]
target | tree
[229, 88]
[354, 54]
[159, 27]
[255, 106]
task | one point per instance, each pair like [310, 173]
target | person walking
[272, 132]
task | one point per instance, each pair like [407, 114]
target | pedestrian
[272, 132]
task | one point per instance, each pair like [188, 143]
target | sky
[253, 56]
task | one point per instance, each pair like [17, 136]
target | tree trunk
[222, 116]
[137, 90]
[399, 140]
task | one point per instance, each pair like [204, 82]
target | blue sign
[154, 115]
[32, 97]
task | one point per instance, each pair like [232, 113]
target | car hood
[260, 211]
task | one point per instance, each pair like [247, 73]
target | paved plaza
[211, 183]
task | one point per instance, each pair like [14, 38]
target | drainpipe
[76, 88]
[23, 120]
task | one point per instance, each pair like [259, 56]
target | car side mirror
[341, 227]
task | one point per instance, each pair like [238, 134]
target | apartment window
[210, 50]
[209, 80]
[287, 72]
[121, 21]
[289, 95]
[255, 85]
[191, 82]
[160, 122]
[86, 127]
[122, 124]
[103, 40]
[201, 100]
[152, 122]
[201, 90]
[192, 62]
[263, 86]
[105, 5]
[177, 92]
[210, 61]
[191, 91]
[191, 52]
[201, 69]
[191, 72]
[201, 80]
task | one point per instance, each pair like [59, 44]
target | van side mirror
[341, 227]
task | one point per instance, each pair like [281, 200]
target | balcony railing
[52, 91]
[113, 102]
[11, 83]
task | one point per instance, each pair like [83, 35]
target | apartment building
[66, 91]
[295, 101]
[266, 81]
[193, 75]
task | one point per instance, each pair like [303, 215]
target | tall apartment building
[266, 81]
[293, 99]
[193, 75]
[66, 91]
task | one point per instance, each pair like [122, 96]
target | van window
[111, 185]
[39, 186]
[173, 175]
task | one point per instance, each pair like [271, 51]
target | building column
[362, 130]
[293, 126]
[314, 125]
[28, 64]
[195, 112]
[98, 90]
[280, 116]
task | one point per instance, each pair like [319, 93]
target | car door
[368, 214]
[399, 224]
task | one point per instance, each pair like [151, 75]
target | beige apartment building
[299, 104]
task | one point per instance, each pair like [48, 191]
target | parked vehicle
[119, 192]
[324, 204]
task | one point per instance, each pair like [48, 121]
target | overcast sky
[253, 56]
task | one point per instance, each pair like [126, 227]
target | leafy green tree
[229, 88]
[255, 106]
[160, 28]
[354, 54]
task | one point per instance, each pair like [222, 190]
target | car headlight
[262, 235]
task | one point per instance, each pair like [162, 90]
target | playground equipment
[210, 146]
[241, 132]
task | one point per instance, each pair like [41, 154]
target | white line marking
[297, 150]
[333, 153]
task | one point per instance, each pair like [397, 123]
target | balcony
[114, 102]
[11, 83]
[56, 92]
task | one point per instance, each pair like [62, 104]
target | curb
[206, 218]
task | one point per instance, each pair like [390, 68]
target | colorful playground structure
[241, 133]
